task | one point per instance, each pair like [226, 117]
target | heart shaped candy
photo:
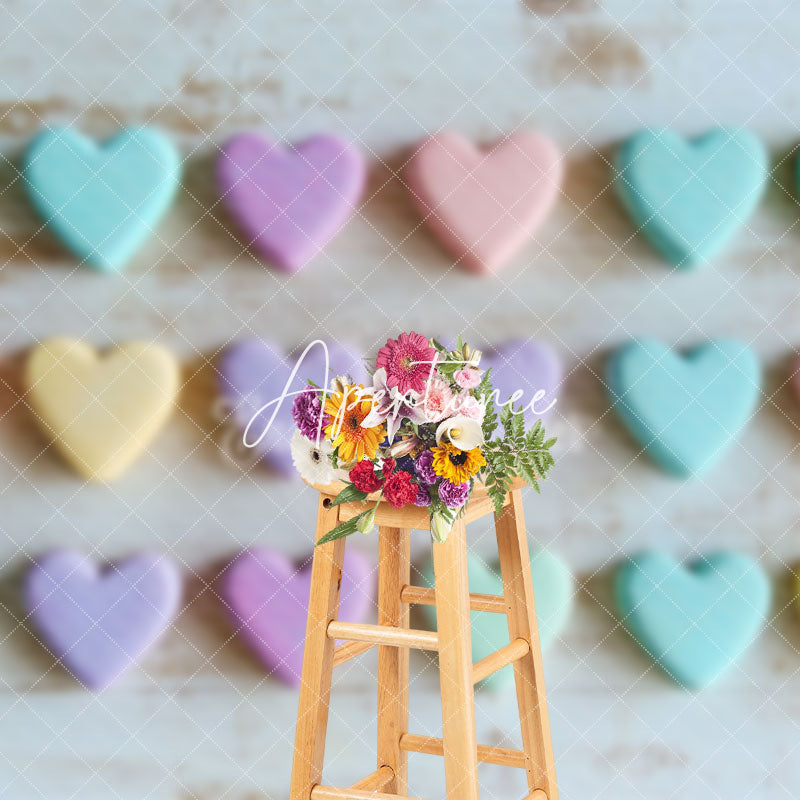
[101, 411]
[102, 201]
[689, 197]
[253, 374]
[794, 378]
[694, 622]
[528, 366]
[484, 204]
[554, 590]
[796, 587]
[267, 598]
[289, 202]
[97, 623]
[684, 410]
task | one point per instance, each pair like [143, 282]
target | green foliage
[348, 495]
[483, 393]
[516, 453]
[345, 528]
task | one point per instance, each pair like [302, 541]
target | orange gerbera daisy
[347, 410]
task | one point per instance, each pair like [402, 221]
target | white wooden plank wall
[199, 720]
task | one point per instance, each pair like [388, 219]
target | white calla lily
[462, 432]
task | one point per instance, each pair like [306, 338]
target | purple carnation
[306, 412]
[423, 496]
[454, 495]
[423, 466]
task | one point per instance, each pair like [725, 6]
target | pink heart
[484, 204]
[98, 622]
[267, 598]
[289, 203]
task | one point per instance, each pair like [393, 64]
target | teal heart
[684, 409]
[553, 592]
[689, 197]
[693, 622]
[101, 201]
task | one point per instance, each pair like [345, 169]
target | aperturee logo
[426, 405]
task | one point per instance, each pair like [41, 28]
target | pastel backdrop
[199, 718]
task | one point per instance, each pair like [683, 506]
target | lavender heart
[252, 373]
[98, 622]
[266, 596]
[525, 365]
[289, 202]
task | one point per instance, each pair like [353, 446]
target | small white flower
[460, 431]
[312, 462]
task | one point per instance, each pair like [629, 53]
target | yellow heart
[101, 411]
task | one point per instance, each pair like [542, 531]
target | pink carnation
[437, 401]
[468, 406]
[408, 361]
[467, 378]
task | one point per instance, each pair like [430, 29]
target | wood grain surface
[199, 718]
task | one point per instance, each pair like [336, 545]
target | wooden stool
[393, 637]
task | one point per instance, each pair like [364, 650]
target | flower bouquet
[423, 434]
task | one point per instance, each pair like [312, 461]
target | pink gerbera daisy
[408, 361]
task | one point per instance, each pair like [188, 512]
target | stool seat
[413, 517]
[394, 638]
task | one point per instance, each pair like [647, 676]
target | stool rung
[420, 596]
[431, 745]
[384, 635]
[375, 781]
[513, 651]
[344, 652]
[332, 793]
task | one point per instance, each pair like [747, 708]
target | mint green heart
[684, 410]
[553, 589]
[101, 201]
[694, 622]
[689, 197]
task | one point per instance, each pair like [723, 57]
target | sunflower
[347, 410]
[456, 466]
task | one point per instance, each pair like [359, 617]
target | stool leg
[512, 545]
[455, 665]
[393, 574]
[312, 711]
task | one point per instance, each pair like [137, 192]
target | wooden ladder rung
[383, 635]
[431, 745]
[332, 793]
[376, 781]
[512, 652]
[344, 652]
[420, 596]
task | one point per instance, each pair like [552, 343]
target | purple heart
[98, 622]
[525, 365]
[267, 598]
[253, 373]
[289, 202]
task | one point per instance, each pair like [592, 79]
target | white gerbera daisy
[312, 462]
